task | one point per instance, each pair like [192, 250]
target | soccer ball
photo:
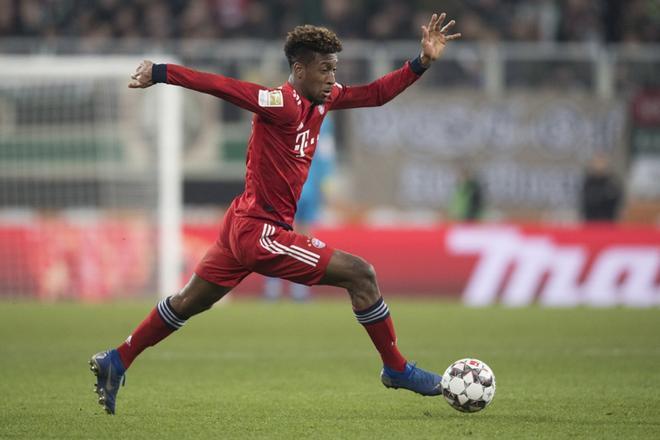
[468, 385]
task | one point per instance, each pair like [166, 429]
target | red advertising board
[55, 258]
[598, 265]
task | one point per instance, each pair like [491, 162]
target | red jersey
[285, 130]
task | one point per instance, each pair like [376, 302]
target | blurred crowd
[627, 21]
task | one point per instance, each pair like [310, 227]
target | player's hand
[435, 38]
[141, 79]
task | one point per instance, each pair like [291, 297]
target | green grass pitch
[256, 370]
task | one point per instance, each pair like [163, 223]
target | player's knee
[363, 274]
[369, 274]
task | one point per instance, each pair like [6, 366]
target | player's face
[319, 77]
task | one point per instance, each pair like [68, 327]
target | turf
[254, 370]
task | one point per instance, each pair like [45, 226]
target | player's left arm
[435, 37]
[269, 103]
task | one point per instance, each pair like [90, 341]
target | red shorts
[248, 245]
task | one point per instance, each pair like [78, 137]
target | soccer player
[309, 205]
[256, 235]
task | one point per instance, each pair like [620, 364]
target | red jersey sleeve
[378, 92]
[272, 104]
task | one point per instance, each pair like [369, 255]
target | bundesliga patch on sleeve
[271, 98]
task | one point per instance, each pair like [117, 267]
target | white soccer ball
[468, 385]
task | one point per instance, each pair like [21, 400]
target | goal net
[90, 184]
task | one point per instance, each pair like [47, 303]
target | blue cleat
[413, 379]
[109, 372]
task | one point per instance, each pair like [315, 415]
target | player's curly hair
[303, 41]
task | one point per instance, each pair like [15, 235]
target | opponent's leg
[359, 279]
[168, 316]
[272, 288]
[299, 292]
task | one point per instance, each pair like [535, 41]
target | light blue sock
[299, 292]
[272, 288]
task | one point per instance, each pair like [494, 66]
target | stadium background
[527, 98]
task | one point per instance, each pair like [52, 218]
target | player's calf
[355, 275]
[359, 278]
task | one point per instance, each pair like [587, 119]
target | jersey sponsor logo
[302, 142]
[271, 98]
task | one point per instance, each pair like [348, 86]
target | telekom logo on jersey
[521, 265]
[302, 142]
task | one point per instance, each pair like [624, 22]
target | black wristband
[416, 65]
[159, 73]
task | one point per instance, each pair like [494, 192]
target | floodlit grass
[255, 370]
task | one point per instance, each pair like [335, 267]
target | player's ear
[298, 70]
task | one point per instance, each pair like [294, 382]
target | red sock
[378, 323]
[159, 324]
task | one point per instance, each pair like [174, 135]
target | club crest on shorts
[317, 243]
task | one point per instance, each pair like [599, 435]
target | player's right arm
[435, 37]
[272, 104]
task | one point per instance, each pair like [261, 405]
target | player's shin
[159, 324]
[377, 321]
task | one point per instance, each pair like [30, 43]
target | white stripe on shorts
[277, 248]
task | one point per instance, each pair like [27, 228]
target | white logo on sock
[128, 340]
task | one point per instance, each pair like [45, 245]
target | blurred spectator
[495, 15]
[31, 17]
[258, 21]
[390, 20]
[601, 191]
[467, 201]
[230, 15]
[479, 20]
[8, 17]
[641, 20]
[473, 28]
[158, 21]
[342, 17]
[581, 20]
[195, 22]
